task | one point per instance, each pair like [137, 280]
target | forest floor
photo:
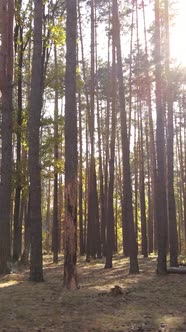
[148, 303]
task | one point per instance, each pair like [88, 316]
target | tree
[141, 146]
[55, 230]
[127, 185]
[6, 77]
[36, 271]
[70, 227]
[152, 231]
[160, 145]
[93, 229]
[19, 48]
[173, 237]
[110, 202]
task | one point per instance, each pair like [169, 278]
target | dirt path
[148, 302]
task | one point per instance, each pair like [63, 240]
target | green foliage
[104, 77]
[48, 164]
[55, 79]
[58, 32]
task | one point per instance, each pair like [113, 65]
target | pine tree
[36, 271]
[70, 228]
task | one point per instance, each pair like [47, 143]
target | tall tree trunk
[180, 177]
[173, 236]
[184, 185]
[55, 228]
[36, 269]
[110, 202]
[141, 149]
[152, 150]
[179, 195]
[101, 182]
[100, 149]
[86, 223]
[142, 193]
[47, 224]
[81, 228]
[86, 186]
[27, 234]
[17, 221]
[149, 190]
[6, 75]
[130, 72]
[127, 184]
[71, 158]
[93, 231]
[160, 144]
[106, 161]
[136, 174]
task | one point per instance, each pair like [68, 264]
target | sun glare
[177, 39]
[9, 283]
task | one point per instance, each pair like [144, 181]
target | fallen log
[179, 270]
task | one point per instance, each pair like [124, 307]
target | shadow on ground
[148, 303]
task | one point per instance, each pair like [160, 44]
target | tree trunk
[81, 229]
[127, 184]
[160, 144]
[173, 236]
[93, 231]
[6, 75]
[152, 150]
[55, 228]
[110, 202]
[27, 234]
[20, 51]
[150, 207]
[36, 270]
[141, 148]
[71, 158]
[47, 223]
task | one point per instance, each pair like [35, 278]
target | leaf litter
[109, 300]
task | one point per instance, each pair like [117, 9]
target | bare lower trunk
[160, 144]
[6, 75]
[127, 185]
[71, 158]
[36, 271]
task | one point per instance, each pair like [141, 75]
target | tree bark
[71, 158]
[93, 231]
[55, 226]
[81, 228]
[160, 144]
[17, 221]
[6, 76]
[127, 184]
[36, 270]
[110, 202]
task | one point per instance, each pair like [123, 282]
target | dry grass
[148, 303]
